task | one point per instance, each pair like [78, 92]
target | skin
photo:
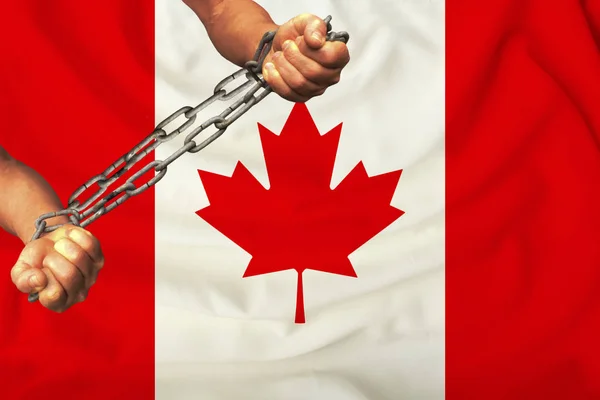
[63, 265]
[300, 65]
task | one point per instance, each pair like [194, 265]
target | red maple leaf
[300, 222]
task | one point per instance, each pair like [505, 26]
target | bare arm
[235, 27]
[62, 265]
[300, 65]
[24, 196]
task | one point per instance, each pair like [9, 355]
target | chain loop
[83, 214]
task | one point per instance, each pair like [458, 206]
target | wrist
[255, 38]
[28, 230]
[235, 27]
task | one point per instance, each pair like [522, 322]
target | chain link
[82, 214]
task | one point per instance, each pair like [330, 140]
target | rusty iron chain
[246, 97]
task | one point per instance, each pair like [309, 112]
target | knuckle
[54, 296]
[62, 231]
[81, 230]
[52, 260]
[74, 253]
[298, 82]
[313, 74]
[97, 254]
[100, 263]
[330, 58]
[313, 20]
[91, 279]
[302, 17]
[83, 238]
[30, 251]
[333, 54]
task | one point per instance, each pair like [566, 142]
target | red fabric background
[523, 200]
[76, 92]
[523, 259]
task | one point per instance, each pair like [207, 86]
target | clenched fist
[61, 266]
[301, 63]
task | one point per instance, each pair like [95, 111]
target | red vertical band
[523, 195]
[76, 93]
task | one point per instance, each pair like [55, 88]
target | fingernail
[269, 69]
[34, 281]
[286, 44]
[65, 248]
[316, 32]
[77, 235]
[277, 55]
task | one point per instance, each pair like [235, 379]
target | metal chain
[82, 214]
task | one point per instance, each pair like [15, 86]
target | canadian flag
[426, 229]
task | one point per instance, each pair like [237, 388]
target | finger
[54, 296]
[294, 79]
[91, 246]
[30, 262]
[88, 243]
[274, 79]
[331, 55]
[79, 258]
[309, 68]
[34, 252]
[28, 279]
[67, 275]
[313, 28]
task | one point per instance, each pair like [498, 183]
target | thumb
[313, 28]
[27, 278]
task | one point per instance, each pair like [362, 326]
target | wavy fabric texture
[378, 336]
[523, 166]
[487, 288]
[76, 92]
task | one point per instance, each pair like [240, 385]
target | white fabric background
[378, 337]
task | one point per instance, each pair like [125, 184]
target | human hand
[61, 266]
[301, 63]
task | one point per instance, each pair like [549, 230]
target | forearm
[235, 27]
[24, 196]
